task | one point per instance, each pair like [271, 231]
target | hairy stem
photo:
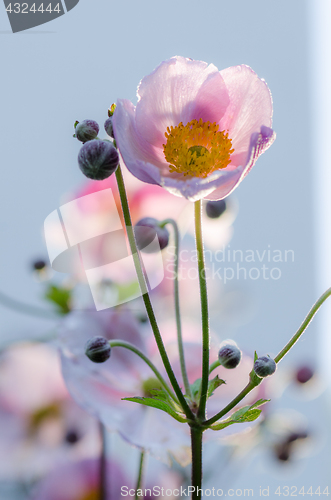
[304, 325]
[131, 347]
[196, 445]
[204, 310]
[146, 298]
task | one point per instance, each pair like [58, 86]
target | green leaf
[157, 403]
[213, 384]
[244, 414]
[61, 297]
[196, 388]
[163, 395]
[260, 402]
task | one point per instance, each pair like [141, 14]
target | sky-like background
[74, 67]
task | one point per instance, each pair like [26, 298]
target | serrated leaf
[61, 297]
[164, 396]
[213, 384]
[157, 403]
[245, 414]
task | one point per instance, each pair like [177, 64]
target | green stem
[204, 310]
[177, 308]
[249, 387]
[196, 446]
[142, 464]
[23, 308]
[214, 365]
[131, 347]
[146, 299]
[304, 325]
[279, 356]
[103, 495]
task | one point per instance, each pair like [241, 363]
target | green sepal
[213, 384]
[255, 379]
[245, 414]
[75, 124]
[157, 403]
[61, 297]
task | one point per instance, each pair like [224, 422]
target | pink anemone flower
[195, 131]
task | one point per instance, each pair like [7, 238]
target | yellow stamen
[197, 149]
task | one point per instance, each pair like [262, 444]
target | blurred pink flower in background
[145, 200]
[99, 388]
[80, 481]
[40, 425]
[195, 131]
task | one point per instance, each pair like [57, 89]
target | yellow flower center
[197, 149]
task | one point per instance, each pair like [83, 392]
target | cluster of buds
[97, 159]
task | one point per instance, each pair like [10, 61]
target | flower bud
[145, 231]
[215, 209]
[97, 349]
[98, 159]
[72, 437]
[109, 127]
[229, 355]
[304, 374]
[86, 130]
[264, 366]
[39, 265]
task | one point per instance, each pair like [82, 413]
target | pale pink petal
[195, 188]
[259, 142]
[134, 149]
[173, 93]
[250, 105]
[212, 100]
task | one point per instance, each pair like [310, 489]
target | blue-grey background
[76, 66]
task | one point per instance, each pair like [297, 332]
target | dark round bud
[86, 130]
[72, 437]
[97, 349]
[229, 356]
[264, 366]
[283, 453]
[109, 127]
[145, 231]
[39, 265]
[304, 374]
[98, 159]
[215, 209]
